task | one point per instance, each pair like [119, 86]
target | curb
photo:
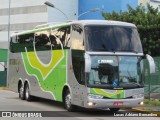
[4, 88]
[145, 111]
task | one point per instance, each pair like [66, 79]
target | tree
[147, 22]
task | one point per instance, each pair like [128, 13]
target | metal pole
[149, 87]
[92, 10]
[82, 14]
[9, 20]
[9, 7]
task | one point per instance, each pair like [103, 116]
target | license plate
[118, 103]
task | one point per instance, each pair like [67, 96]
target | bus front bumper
[114, 103]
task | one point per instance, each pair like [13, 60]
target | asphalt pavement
[10, 102]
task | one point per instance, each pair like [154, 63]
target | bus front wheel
[67, 101]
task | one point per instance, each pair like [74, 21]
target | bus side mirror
[87, 62]
[151, 62]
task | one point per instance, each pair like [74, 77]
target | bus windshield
[116, 71]
[112, 38]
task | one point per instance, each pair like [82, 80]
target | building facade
[20, 15]
[24, 14]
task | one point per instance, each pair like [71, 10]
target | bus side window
[26, 42]
[67, 39]
[12, 42]
[77, 48]
[77, 38]
[42, 40]
[53, 42]
[20, 42]
[60, 36]
[78, 65]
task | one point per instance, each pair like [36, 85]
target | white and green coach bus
[89, 63]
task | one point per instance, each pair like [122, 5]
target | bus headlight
[90, 104]
[138, 96]
[141, 103]
[95, 96]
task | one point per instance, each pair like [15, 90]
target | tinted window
[116, 71]
[43, 40]
[112, 38]
[77, 46]
[60, 36]
[20, 42]
[78, 65]
[77, 38]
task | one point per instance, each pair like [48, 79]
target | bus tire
[28, 97]
[21, 92]
[114, 110]
[67, 101]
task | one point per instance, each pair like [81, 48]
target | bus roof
[81, 22]
[103, 22]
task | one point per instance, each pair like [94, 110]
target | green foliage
[156, 103]
[147, 22]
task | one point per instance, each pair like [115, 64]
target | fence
[3, 73]
[3, 78]
[152, 81]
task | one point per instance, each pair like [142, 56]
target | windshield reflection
[114, 71]
[112, 38]
[130, 71]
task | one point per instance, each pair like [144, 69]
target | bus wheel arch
[64, 91]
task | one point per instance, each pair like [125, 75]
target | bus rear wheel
[67, 102]
[28, 97]
[21, 92]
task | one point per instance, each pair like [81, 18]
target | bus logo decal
[115, 84]
[45, 69]
[108, 93]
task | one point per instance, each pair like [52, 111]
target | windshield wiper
[134, 83]
[103, 49]
[128, 51]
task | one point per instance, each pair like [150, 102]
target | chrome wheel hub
[27, 93]
[68, 100]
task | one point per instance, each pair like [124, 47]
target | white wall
[38, 17]
[1, 66]
[4, 37]
[20, 3]
[25, 18]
